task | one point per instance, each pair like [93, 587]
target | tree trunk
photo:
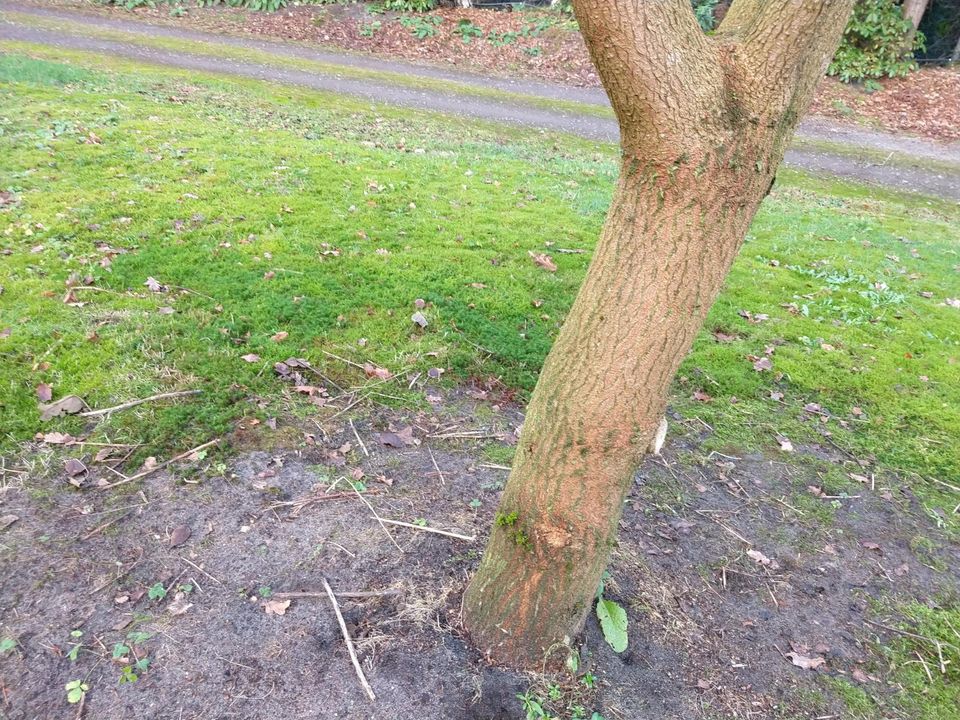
[913, 11]
[956, 52]
[704, 124]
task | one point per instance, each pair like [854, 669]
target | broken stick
[427, 528]
[143, 474]
[134, 403]
[348, 641]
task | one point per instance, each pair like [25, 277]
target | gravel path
[824, 147]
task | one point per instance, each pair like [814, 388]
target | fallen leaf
[419, 303]
[775, 395]
[250, 357]
[7, 520]
[154, 286]
[952, 302]
[280, 336]
[70, 405]
[543, 260]
[165, 310]
[378, 372]
[55, 438]
[859, 675]
[74, 467]
[179, 604]
[399, 439]
[785, 444]
[761, 364]
[722, 337]
[858, 478]
[870, 545]
[149, 464]
[180, 535]
[802, 661]
[763, 559]
[276, 607]
[418, 319]
[44, 392]
[701, 396]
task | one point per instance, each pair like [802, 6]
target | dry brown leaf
[802, 661]
[179, 604]
[250, 357]
[44, 392]
[280, 336]
[180, 535]
[276, 607]
[70, 405]
[543, 260]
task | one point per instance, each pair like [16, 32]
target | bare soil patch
[711, 625]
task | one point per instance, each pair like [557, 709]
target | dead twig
[357, 436]
[134, 403]
[143, 474]
[427, 528]
[348, 641]
[343, 360]
[200, 569]
[304, 502]
[436, 467]
[911, 634]
[104, 526]
[367, 503]
[348, 595]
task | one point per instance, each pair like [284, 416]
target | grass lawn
[201, 220]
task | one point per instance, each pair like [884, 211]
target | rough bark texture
[704, 124]
[913, 11]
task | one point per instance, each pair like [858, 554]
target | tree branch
[659, 69]
[782, 45]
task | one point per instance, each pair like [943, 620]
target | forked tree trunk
[704, 124]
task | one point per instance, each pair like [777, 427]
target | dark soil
[709, 625]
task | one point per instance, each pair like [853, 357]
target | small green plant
[467, 31]
[178, 11]
[76, 691]
[498, 38]
[589, 681]
[533, 51]
[75, 648]
[613, 621]
[506, 520]
[422, 27]
[475, 504]
[157, 591]
[7, 645]
[370, 29]
[532, 706]
[409, 5]
[132, 673]
[265, 591]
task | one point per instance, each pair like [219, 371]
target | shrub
[409, 5]
[704, 10]
[874, 44]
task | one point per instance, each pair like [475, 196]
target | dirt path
[822, 146]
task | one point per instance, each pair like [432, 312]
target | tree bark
[704, 124]
[913, 11]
